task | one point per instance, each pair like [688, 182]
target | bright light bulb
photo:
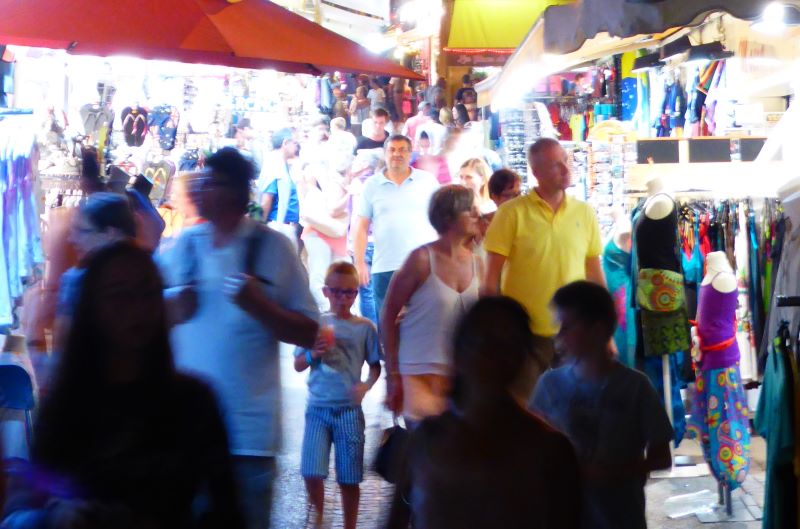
[774, 14]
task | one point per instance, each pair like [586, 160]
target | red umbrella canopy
[246, 34]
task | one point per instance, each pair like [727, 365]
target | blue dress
[617, 269]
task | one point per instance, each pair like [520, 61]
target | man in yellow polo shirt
[541, 241]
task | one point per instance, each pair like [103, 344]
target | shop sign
[471, 59]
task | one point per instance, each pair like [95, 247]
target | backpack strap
[254, 242]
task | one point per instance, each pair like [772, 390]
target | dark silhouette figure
[122, 440]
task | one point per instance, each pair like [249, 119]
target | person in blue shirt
[335, 392]
[278, 190]
[611, 413]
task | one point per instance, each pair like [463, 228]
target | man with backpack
[237, 289]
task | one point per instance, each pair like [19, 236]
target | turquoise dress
[617, 268]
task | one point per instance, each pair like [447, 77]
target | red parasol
[246, 34]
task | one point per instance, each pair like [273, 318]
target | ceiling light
[713, 51]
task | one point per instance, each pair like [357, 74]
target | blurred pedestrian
[359, 110]
[474, 174]
[335, 393]
[374, 137]
[122, 440]
[340, 138]
[376, 95]
[436, 96]
[277, 185]
[394, 204]
[486, 462]
[103, 219]
[460, 116]
[504, 184]
[611, 413]
[411, 125]
[237, 289]
[425, 160]
[435, 286]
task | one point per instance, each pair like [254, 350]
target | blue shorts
[344, 427]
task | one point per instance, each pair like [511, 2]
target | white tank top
[427, 327]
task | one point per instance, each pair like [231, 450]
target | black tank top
[657, 241]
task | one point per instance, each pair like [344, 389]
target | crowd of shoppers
[371, 246]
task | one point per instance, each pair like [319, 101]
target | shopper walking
[474, 174]
[375, 136]
[421, 118]
[394, 204]
[238, 288]
[504, 184]
[335, 392]
[539, 242]
[359, 110]
[103, 219]
[486, 463]
[376, 95]
[435, 286]
[277, 186]
[611, 413]
[122, 440]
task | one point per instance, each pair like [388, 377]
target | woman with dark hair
[486, 462]
[460, 115]
[435, 286]
[122, 440]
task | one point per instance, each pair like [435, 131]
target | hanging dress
[719, 413]
[617, 269]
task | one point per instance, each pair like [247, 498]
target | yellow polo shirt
[545, 250]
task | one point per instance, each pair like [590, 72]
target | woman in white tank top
[436, 285]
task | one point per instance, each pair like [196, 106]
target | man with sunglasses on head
[237, 290]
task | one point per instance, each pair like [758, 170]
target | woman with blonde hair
[474, 174]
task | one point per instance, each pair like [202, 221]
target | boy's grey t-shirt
[330, 383]
[609, 422]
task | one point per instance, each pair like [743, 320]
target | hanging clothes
[617, 268]
[774, 422]
[744, 333]
[21, 246]
[719, 415]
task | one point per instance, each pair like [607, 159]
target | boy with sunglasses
[333, 412]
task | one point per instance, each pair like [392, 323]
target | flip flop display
[134, 125]
[163, 122]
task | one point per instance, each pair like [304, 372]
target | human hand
[182, 305]
[358, 392]
[322, 347]
[242, 289]
[394, 394]
[363, 273]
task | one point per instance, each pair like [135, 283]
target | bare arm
[360, 248]
[494, 268]
[594, 271]
[266, 204]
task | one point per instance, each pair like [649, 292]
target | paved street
[290, 510]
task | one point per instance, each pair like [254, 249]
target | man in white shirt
[394, 204]
[237, 289]
[412, 123]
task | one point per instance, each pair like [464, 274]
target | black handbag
[390, 459]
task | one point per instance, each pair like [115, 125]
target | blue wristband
[309, 360]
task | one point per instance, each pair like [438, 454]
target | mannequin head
[654, 186]
[717, 262]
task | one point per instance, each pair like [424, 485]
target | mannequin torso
[660, 203]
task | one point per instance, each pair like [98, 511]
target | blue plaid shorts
[344, 427]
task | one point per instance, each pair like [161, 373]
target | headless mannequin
[622, 230]
[660, 203]
[719, 273]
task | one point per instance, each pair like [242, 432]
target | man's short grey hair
[398, 137]
[447, 203]
[338, 123]
[540, 146]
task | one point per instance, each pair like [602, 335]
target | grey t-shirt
[609, 422]
[330, 383]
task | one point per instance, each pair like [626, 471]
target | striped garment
[342, 425]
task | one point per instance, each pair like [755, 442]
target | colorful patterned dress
[719, 412]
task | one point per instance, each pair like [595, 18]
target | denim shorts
[343, 426]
